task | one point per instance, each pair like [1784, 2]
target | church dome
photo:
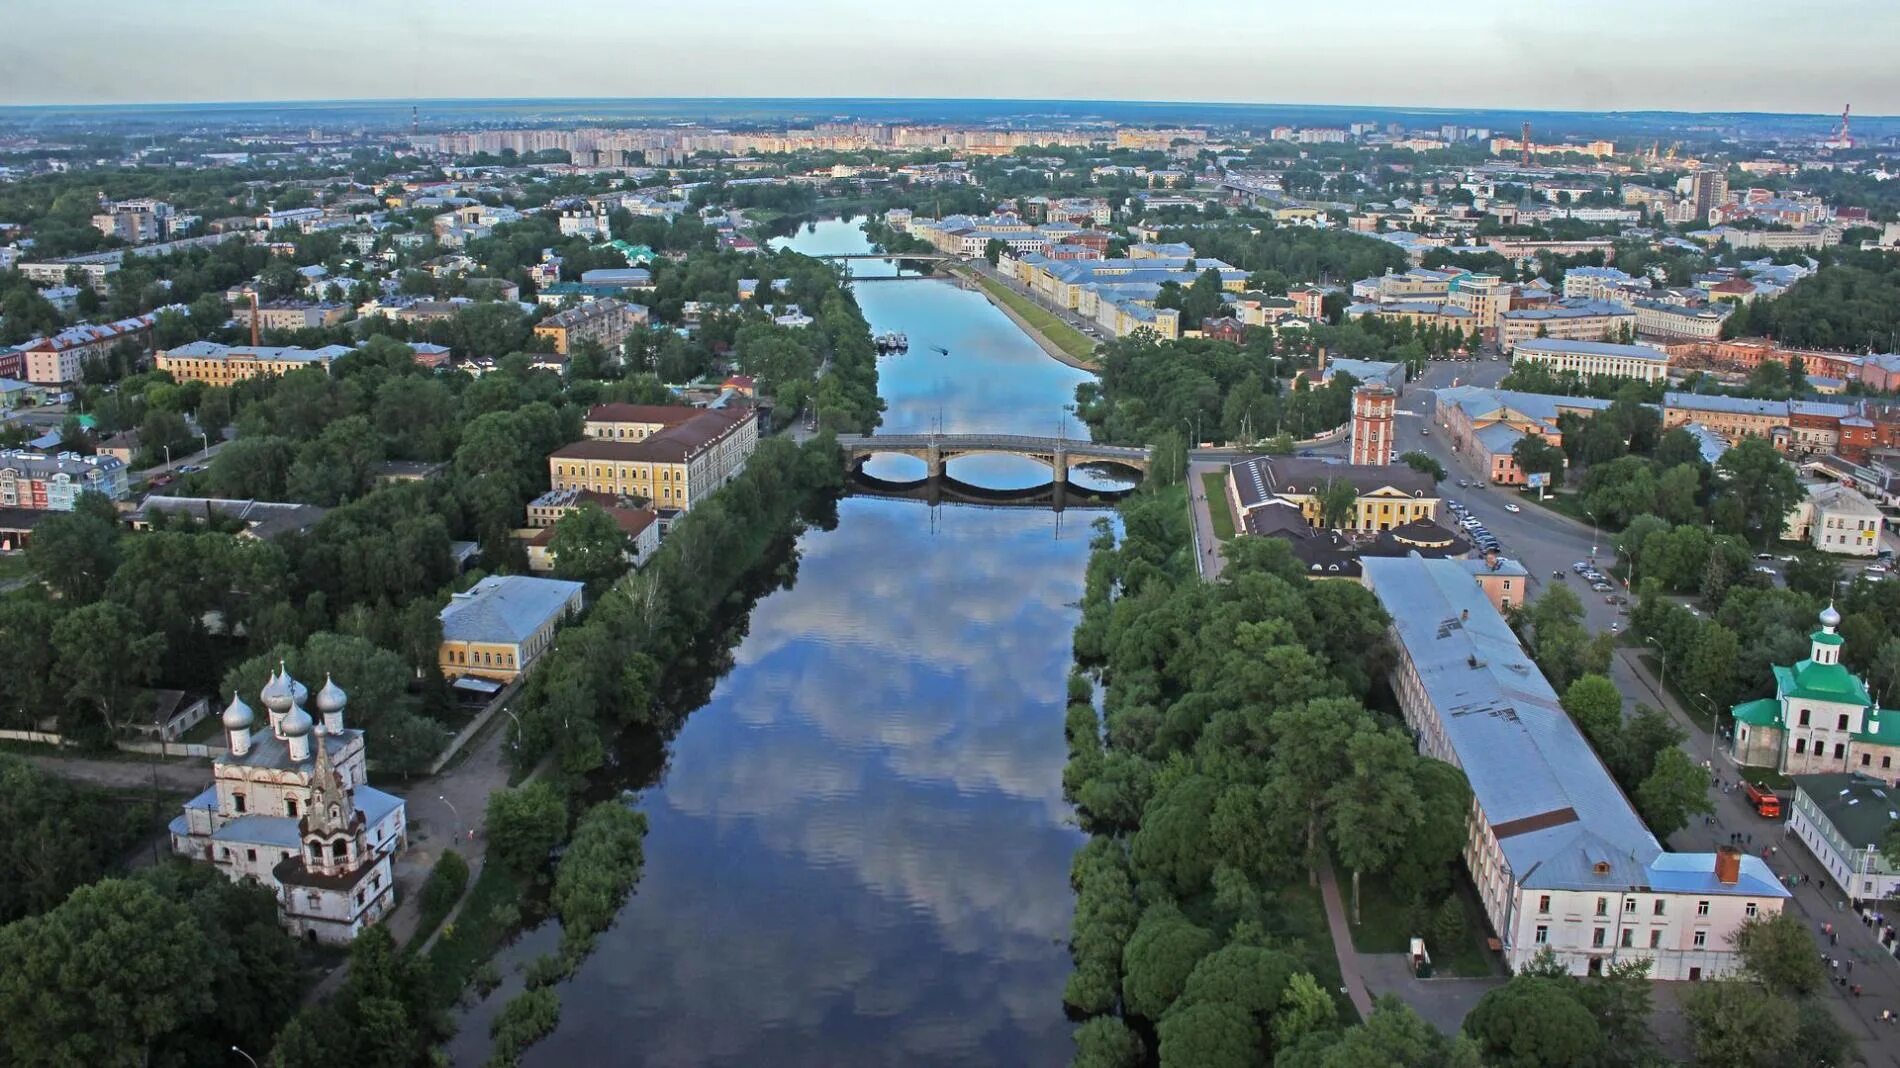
[331, 698]
[296, 723]
[1830, 618]
[238, 715]
[276, 694]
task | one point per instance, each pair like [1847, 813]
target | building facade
[1842, 819]
[501, 626]
[1387, 496]
[1821, 719]
[290, 806]
[53, 482]
[604, 322]
[1587, 358]
[1560, 859]
[61, 358]
[1373, 408]
[222, 365]
[670, 456]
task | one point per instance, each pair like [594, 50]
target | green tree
[1305, 1009]
[1533, 1021]
[1161, 954]
[1763, 485]
[76, 552]
[1596, 706]
[106, 657]
[589, 546]
[993, 250]
[1534, 455]
[1734, 1022]
[1107, 1042]
[1338, 504]
[1209, 1035]
[1778, 951]
[600, 866]
[1374, 806]
[1423, 463]
[102, 978]
[525, 824]
[1674, 788]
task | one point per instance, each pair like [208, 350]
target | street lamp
[519, 730]
[452, 808]
[205, 437]
[1715, 725]
[1593, 532]
[1664, 653]
[245, 1055]
[168, 458]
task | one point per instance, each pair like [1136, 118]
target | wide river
[859, 851]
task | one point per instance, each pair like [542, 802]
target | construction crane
[1524, 145]
[1844, 137]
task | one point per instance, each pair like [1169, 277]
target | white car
[1512, 507]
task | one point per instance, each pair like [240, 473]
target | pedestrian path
[1349, 970]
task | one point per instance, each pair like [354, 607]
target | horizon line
[319, 101]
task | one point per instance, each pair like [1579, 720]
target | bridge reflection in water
[946, 490]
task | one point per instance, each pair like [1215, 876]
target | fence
[169, 749]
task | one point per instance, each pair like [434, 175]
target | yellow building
[222, 365]
[669, 456]
[500, 627]
[1388, 495]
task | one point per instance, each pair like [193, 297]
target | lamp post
[245, 1055]
[519, 731]
[452, 808]
[205, 437]
[1715, 724]
[1664, 653]
[168, 458]
[1593, 533]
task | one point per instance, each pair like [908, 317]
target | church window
[290, 806]
[335, 813]
[1804, 717]
[316, 851]
[250, 855]
[1843, 723]
[337, 849]
[1840, 750]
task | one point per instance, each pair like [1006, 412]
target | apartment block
[671, 457]
[221, 365]
[604, 322]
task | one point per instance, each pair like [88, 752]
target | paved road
[1209, 560]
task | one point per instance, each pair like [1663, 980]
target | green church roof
[1820, 682]
[1765, 712]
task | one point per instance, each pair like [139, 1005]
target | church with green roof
[1821, 718]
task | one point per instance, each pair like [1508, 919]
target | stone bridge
[937, 450]
[884, 256]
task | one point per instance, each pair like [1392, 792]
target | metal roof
[1560, 819]
[505, 609]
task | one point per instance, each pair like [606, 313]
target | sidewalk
[1349, 974]
[1209, 560]
[1817, 900]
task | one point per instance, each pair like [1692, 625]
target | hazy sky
[1669, 54]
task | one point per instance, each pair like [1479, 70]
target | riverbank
[1052, 335]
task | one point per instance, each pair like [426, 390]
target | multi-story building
[221, 365]
[42, 482]
[1487, 424]
[290, 806]
[1659, 320]
[1589, 358]
[1734, 418]
[61, 358]
[1843, 820]
[1707, 189]
[1571, 321]
[1821, 719]
[1594, 283]
[1835, 519]
[604, 322]
[670, 456]
[291, 315]
[1387, 496]
[502, 625]
[137, 221]
[1561, 861]
[1373, 441]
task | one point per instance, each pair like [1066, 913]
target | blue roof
[1691, 873]
[276, 831]
[1591, 348]
[1733, 405]
[505, 609]
[374, 804]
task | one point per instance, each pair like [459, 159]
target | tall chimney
[1728, 865]
[254, 341]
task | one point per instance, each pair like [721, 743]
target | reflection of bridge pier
[943, 489]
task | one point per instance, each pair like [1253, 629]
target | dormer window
[1601, 867]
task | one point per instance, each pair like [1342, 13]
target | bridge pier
[1060, 468]
[935, 463]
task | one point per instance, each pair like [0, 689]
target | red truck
[1764, 800]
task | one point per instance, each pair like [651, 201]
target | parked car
[1510, 507]
[1559, 575]
[1602, 587]
[1764, 556]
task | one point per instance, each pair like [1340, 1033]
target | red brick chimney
[1728, 866]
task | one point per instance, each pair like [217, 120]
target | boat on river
[891, 342]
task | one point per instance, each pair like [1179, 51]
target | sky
[1690, 55]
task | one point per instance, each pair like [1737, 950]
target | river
[859, 850]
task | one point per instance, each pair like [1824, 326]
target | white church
[290, 806]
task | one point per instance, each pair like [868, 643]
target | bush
[525, 824]
[526, 1019]
[601, 864]
[447, 880]
[546, 970]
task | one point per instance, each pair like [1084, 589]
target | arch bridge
[937, 450]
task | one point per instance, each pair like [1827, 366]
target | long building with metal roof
[1560, 858]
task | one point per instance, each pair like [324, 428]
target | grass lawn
[1696, 707]
[1299, 909]
[1066, 337]
[1215, 485]
[14, 565]
[1384, 927]
[490, 912]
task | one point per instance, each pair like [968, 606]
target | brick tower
[1373, 405]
